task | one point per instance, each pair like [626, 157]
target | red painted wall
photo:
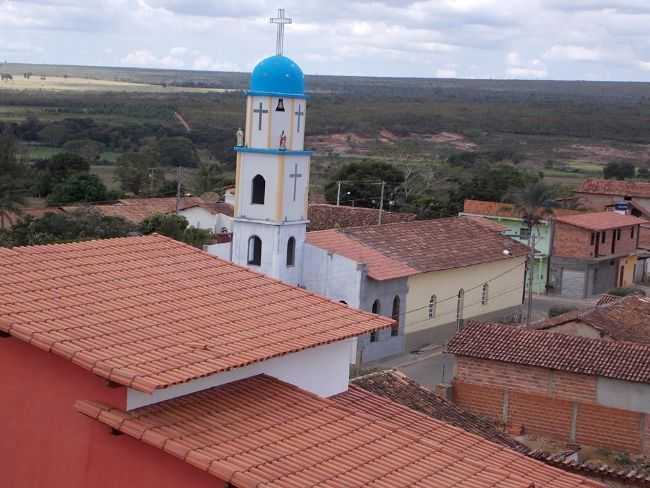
[45, 442]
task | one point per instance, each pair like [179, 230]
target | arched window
[485, 294]
[433, 304]
[255, 250]
[394, 331]
[459, 308]
[376, 307]
[291, 252]
[258, 190]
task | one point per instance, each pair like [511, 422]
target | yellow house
[429, 275]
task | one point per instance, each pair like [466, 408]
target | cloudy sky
[532, 39]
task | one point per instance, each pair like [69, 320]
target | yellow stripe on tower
[249, 122]
[238, 190]
[279, 195]
[268, 142]
[291, 114]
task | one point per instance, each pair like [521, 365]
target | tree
[55, 170]
[176, 227]
[138, 172]
[81, 224]
[533, 202]
[177, 151]
[643, 173]
[619, 170]
[207, 178]
[79, 188]
[86, 148]
[493, 182]
[361, 183]
[12, 178]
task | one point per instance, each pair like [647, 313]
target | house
[324, 216]
[600, 195]
[593, 253]
[429, 275]
[619, 319]
[215, 217]
[142, 361]
[10, 219]
[136, 210]
[585, 391]
[515, 227]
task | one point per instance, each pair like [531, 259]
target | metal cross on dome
[280, 20]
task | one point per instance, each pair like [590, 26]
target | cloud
[446, 73]
[573, 53]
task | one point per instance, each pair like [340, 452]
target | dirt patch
[342, 143]
[603, 153]
[459, 141]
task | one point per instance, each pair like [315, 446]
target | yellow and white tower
[273, 169]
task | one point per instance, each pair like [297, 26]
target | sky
[527, 39]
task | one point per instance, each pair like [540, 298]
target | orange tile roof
[36, 212]
[150, 312]
[500, 209]
[323, 216]
[615, 188]
[262, 432]
[600, 220]
[407, 248]
[138, 209]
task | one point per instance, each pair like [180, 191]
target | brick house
[599, 194]
[593, 253]
[592, 392]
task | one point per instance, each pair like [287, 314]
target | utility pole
[179, 173]
[381, 201]
[531, 277]
[338, 194]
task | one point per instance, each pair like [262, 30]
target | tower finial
[280, 20]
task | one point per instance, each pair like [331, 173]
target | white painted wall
[322, 370]
[625, 395]
[258, 138]
[201, 218]
[221, 250]
[332, 275]
[295, 209]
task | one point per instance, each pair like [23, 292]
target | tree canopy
[80, 188]
[177, 227]
[138, 172]
[619, 170]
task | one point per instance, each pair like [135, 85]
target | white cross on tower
[280, 20]
[295, 175]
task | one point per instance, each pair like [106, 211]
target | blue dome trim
[279, 152]
[275, 94]
[279, 76]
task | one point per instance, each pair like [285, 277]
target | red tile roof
[626, 361]
[404, 249]
[262, 432]
[616, 188]
[621, 319]
[323, 216]
[399, 388]
[600, 220]
[138, 209]
[499, 209]
[37, 213]
[151, 312]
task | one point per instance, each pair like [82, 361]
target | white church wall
[297, 139]
[280, 121]
[295, 209]
[332, 275]
[253, 164]
[322, 370]
[221, 250]
[257, 137]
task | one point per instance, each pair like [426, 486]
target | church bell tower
[273, 169]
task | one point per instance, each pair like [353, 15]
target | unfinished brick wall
[575, 242]
[598, 203]
[555, 404]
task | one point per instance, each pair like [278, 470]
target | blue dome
[277, 75]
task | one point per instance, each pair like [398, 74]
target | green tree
[82, 224]
[619, 170]
[176, 227]
[79, 188]
[86, 148]
[534, 202]
[643, 173]
[12, 179]
[361, 183]
[138, 172]
[177, 151]
[50, 172]
[207, 178]
[493, 182]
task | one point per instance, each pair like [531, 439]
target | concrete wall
[203, 219]
[323, 370]
[504, 295]
[385, 291]
[578, 278]
[45, 442]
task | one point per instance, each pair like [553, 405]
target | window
[524, 233]
[291, 252]
[376, 307]
[394, 331]
[255, 251]
[593, 238]
[603, 236]
[618, 234]
[485, 294]
[373, 336]
[632, 233]
[459, 308]
[259, 190]
[433, 304]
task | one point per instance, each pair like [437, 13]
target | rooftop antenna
[280, 20]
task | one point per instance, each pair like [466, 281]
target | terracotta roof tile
[36, 213]
[626, 361]
[616, 188]
[621, 319]
[500, 209]
[138, 209]
[150, 312]
[600, 220]
[398, 388]
[404, 249]
[323, 216]
[262, 432]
